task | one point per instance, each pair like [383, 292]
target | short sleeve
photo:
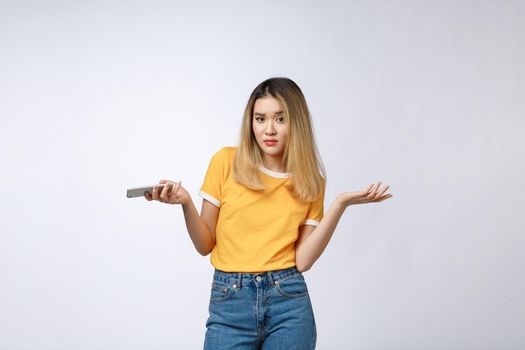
[211, 189]
[316, 209]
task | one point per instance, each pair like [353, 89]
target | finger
[380, 193]
[377, 186]
[376, 189]
[385, 197]
[173, 185]
[371, 195]
[159, 191]
[155, 194]
[164, 191]
[367, 190]
[174, 189]
[374, 186]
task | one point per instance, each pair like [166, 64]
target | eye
[282, 119]
[257, 118]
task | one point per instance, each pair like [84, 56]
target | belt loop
[239, 280]
[270, 278]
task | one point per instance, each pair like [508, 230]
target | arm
[201, 228]
[312, 241]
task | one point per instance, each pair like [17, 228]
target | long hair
[301, 156]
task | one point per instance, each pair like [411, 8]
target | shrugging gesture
[312, 242]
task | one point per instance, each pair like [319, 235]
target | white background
[426, 96]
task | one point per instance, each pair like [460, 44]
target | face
[270, 123]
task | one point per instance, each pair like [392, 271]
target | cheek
[257, 131]
[285, 133]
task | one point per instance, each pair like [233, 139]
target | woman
[263, 221]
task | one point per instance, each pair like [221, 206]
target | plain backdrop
[100, 96]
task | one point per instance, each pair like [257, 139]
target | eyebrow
[262, 114]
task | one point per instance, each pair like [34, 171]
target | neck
[274, 163]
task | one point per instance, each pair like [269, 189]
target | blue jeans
[269, 311]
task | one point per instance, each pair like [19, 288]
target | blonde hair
[301, 156]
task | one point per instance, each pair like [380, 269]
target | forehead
[267, 104]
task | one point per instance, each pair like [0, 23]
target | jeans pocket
[220, 292]
[292, 287]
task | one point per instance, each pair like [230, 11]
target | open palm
[369, 195]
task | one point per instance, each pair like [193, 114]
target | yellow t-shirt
[256, 230]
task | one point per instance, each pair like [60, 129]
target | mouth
[270, 142]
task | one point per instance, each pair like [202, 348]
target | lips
[270, 142]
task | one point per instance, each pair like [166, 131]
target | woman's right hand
[172, 193]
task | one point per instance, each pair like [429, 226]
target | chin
[273, 151]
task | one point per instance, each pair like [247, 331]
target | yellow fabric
[256, 230]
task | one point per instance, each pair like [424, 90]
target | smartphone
[141, 191]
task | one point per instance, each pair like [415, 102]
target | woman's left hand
[368, 195]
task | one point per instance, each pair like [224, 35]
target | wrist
[186, 200]
[340, 203]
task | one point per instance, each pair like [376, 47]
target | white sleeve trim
[211, 199]
[311, 222]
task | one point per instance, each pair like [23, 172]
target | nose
[270, 130]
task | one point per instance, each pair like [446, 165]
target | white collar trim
[273, 173]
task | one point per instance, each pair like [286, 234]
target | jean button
[258, 278]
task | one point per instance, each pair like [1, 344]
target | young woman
[263, 221]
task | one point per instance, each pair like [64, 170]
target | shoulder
[229, 149]
[224, 155]
[226, 152]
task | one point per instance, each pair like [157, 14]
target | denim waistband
[263, 277]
